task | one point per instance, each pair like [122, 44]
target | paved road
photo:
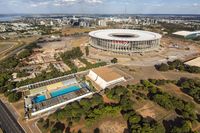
[8, 122]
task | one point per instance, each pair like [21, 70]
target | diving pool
[64, 91]
[39, 99]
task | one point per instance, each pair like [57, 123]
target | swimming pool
[39, 99]
[64, 91]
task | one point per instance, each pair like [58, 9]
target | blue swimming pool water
[64, 91]
[39, 99]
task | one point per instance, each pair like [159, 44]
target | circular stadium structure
[124, 40]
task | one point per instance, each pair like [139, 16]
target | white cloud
[94, 1]
[196, 5]
[45, 3]
[58, 3]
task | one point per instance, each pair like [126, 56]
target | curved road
[7, 121]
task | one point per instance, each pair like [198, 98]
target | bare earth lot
[10, 47]
[149, 109]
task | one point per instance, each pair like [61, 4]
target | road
[14, 51]
[8, 121]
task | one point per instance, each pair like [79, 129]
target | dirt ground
[113, 126]
[106, 125]
[70, 31]
[79, 41]
[107, 100]
[149, 109]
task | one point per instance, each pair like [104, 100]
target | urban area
[100, 73]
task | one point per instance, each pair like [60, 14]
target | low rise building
[105, 77]
[194, 62]
[188, 34]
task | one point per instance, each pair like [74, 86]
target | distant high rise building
[102, 23]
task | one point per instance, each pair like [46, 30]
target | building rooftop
[194, 62]
[186, 33]
[125, 35]
[107, 74]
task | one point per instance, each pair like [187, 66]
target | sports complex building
[124, 40]
[49, 95]
[105, 77]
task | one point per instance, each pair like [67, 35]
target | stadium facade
[124, 40]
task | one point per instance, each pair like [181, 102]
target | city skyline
[100, 6]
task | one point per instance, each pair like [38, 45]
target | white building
[102, 23]
[188, 34]
[124, 40]
[105, 77]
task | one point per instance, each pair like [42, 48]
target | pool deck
[59, 101]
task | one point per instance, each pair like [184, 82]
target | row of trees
[89, 110]
[159, 82]
[178, 65]
[183, 108]
[90, 65]
[138, 124]
[190, 87]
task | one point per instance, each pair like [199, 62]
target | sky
[101, 6]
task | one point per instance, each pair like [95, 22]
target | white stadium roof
[133, 35]
[186, 33]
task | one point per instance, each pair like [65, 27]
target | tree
[96, 100]
[14, 96]
[86, 104]
[114, 60]
[87, 50]
[58, 128]
[162, 67]
[96, 130]
[134, 119]
[25, 53]
[10, 63]
[184, 128]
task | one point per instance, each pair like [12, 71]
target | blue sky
[101, 6]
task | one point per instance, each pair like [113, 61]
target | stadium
[124, 40]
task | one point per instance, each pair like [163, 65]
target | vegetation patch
[177, 65]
